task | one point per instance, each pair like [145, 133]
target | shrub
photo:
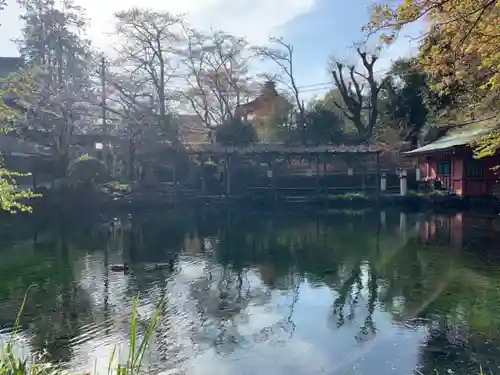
[87, 170]
[235, 133]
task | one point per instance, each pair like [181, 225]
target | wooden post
[273, 177]
[383, 221]
[403, 183]
[317, 176]
[203, 187]
[325, 179]
[383, 182]
[227, 160]
[378, 180]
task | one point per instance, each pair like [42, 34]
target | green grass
[348, 196]
[434, 193]
[39, 364]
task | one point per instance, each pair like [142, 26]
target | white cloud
[254, 19]
[10, 28]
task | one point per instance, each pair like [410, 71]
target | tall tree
[149, 54]
[403, 99]
[236, 133]
[132, 109]
[462, 35]
[459, 49]
[61, 65]
[217, 75]
[283, 55]
[359, 91]
[323, 124]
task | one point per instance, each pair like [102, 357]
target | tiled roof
[267, 148]
[11, 145]
[458, 136]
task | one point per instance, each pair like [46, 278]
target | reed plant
[39, 363]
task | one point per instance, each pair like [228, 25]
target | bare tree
[359, 91]
[217, 75]
[3, 3]
[149, 52]
[282, 54]
[132, 108]
[60, 100]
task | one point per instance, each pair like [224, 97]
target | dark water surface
[261, 293]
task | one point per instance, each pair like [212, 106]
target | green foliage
[11, 196]
[349, 196]
[323, 125]
[10, 364]
[434, 193]
[236, 133]
[403, 98]
[137, 349]
[488, 145]
[87, 170]
[458, 51]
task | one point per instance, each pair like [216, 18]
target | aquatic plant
[39, 364]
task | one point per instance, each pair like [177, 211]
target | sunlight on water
[371, 293]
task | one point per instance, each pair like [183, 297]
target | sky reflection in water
[363, 293]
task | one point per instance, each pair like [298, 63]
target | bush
[87, 170]
[236, 133]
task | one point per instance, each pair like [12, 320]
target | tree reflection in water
[221, 272]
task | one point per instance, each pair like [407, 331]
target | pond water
[260, 292]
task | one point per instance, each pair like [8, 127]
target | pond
[259, 292]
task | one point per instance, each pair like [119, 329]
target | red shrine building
[449, 162]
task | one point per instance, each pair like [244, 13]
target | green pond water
[259, 292]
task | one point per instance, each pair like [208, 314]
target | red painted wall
[460, 183]
[485, 185]
[457, 175]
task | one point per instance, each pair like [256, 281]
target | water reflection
[261, 292]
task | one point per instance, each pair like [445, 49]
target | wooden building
[192, 130]
[267, 106]
[449, 162]
[272, 160]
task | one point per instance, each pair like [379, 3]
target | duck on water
[125, 267]
[120, 267]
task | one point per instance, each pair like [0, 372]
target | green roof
[458, 136]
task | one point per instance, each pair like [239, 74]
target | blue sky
[329, 31]
[318, 29]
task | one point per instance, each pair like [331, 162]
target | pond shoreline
[69, 203]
